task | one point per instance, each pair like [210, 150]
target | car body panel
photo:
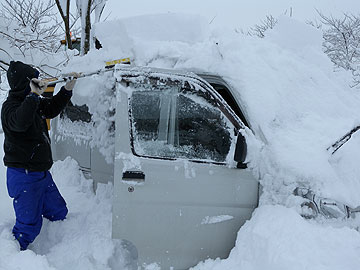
[64, 142]
[101, 171]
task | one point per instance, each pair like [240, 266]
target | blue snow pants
[35, 195]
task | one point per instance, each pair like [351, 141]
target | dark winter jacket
[23, 114]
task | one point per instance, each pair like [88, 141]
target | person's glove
[38, 86]
[71, 82]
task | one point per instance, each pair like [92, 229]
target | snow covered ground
[292, 97]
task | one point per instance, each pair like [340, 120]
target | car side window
[76, 113]
[75, 122]
[174, 121]
[227, 96]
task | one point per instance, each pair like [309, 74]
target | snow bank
[278, 238]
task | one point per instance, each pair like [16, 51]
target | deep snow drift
[297, 106]
[278, 238]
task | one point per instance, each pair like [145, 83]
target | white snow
[130, 161]
[297, 106]
[278, 238]
[215, 219]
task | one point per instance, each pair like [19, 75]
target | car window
[76, 113]
[227, 96]
[75, 122]
[174, 121]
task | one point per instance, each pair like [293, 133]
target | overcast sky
[232, 13]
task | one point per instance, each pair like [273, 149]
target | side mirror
[240, 151]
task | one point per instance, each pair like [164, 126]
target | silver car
[182, 188]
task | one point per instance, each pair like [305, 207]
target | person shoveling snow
[28, 153]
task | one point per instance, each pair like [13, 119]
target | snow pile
[278, 238]
[143, 39]
[346, 162]
[306, 108]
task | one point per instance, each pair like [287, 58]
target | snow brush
[108, 67]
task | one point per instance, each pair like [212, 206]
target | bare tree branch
[32, 24]
[66, 19]
[259, 29]
[342, 42]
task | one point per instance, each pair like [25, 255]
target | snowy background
[298, 105]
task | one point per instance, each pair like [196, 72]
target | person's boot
[21, 248]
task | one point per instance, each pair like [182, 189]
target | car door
[70, 135]
[178, 195]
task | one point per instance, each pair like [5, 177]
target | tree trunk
[65, 18]
[68, 36]
[87, 28]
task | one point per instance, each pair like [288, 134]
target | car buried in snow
[176, 198]
[182, 189]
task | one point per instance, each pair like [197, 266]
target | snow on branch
[30, 24]
[342, 42]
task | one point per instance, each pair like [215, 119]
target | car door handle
[133, 176]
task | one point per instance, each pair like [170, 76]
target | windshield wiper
[335, 146]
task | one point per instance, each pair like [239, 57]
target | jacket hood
[19, 76]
